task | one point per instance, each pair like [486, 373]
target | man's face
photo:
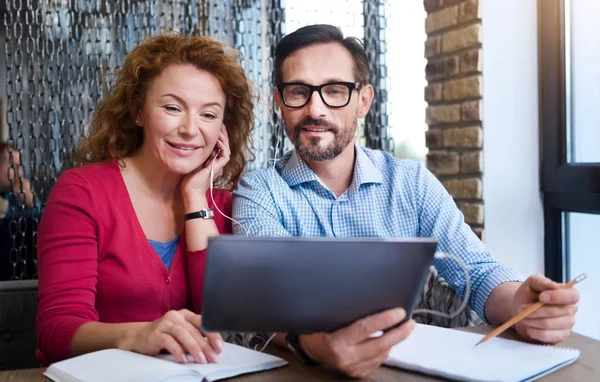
[320, 132]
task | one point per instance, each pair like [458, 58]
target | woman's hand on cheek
[222, 152]
[197, 182]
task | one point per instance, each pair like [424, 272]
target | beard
[312, 151]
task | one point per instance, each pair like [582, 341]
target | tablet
[305, 285]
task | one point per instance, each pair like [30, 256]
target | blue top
[166, 251]
[388, 197]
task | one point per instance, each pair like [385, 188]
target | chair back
[18, 306]
[438, 296]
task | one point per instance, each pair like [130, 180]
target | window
[569, 97]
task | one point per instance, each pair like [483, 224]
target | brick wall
[454, 93]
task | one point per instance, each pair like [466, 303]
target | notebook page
[233, 360]
[452, 354]
[114, 365]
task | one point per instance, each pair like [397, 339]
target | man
[330, 186]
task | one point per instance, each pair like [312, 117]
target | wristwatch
[206, 213]
[293, 343]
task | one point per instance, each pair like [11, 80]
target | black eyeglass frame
[350, 85]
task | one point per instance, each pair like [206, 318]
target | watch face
[209, 214]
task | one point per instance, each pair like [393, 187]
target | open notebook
[452, 354]
[123, 366]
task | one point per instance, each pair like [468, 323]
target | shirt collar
[364, 169]
[296, 171]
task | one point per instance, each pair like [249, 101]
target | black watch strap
[293, 343]
[206, 213]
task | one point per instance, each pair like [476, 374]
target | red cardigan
[95, 264]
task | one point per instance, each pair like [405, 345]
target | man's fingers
[540, 283]
[552, 323]
[548, 336]
[363, 369]
[560, 296]
[549, 311]
[363, 328]
[374, 347]
[355, 353]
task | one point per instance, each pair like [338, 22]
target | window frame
[566, 187]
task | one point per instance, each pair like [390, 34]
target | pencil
[532, 308]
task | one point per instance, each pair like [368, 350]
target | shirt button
[167, 280]
[336, 202]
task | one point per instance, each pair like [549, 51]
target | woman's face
[182, 116]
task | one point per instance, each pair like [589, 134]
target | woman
[122, 242]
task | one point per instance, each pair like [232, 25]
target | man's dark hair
[322, 34]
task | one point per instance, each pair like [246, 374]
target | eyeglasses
[333, 94]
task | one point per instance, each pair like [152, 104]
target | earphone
[212, 175]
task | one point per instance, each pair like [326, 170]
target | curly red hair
[113, 133]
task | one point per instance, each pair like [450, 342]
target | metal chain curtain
[59, 55]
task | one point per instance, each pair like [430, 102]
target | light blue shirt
[388, 197]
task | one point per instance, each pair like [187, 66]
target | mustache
[308, 121]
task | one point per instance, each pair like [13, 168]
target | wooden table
[586, 368]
